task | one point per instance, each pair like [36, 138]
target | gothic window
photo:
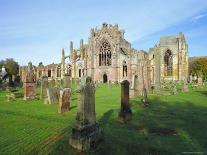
[124, 69]
[79, 73]
[105, 54]
[49, 73]
[168, 63]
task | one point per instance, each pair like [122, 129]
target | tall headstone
[125, 112]
[200, 81]
[29, 83]
[134, 89]
[44, 86]
[53, 95]
[86, 132]
[66, 81]
[145, 100]
[64, 100]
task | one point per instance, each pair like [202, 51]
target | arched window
[105, 54]
[168, 63]
[124, 69]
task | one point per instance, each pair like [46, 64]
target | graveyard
[103, 77]
[169, 125]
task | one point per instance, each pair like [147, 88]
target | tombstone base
[125, 115]
[85, 138]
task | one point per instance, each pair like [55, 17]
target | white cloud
[196, 18]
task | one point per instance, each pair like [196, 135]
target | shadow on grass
[184, 126]
[202, 92]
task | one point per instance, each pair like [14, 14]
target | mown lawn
[170, 125]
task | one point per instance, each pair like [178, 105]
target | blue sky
[36, 30]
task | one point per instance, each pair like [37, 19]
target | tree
[40, 64]
[199, 67]
[12, 66]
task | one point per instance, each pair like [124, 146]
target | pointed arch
[105, 53]
[168, 63]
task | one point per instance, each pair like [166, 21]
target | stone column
[157, 71]
[63, 64]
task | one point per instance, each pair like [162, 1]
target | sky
[37, 30]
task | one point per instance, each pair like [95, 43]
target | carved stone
[86, 132]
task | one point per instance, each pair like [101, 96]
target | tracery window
[105, 54]
[168, 63]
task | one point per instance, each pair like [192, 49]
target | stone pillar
[125, 112]
[81, 48]
[114, 66]
[63, 64]
[86, 131]
[157, 71]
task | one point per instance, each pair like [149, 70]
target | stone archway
[105, 78]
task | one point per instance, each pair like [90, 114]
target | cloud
[198, 17]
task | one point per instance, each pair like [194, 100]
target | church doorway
[105, 78]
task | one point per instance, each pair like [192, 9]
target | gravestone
[52, 83]
[125, 112]
[145, 100]
[134, 89]
[86, 132]
[64, 100]
[53, 95]
[29, 83]
[44, 86]
[200, 81]
[66, 83]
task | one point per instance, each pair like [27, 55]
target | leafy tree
[40, 64]
[199, 67]
[11, 66]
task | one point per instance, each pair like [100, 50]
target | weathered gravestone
[52, 83]
[44, 86]
[134, 89]
[66, 82]
[64, 100]
[200, 81]
[53, 95]
[29, 83]
[86, 133]
[125, 112]
[145, 100]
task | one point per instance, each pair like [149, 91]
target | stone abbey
[109, 57]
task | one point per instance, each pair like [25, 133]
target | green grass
[31, 127]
